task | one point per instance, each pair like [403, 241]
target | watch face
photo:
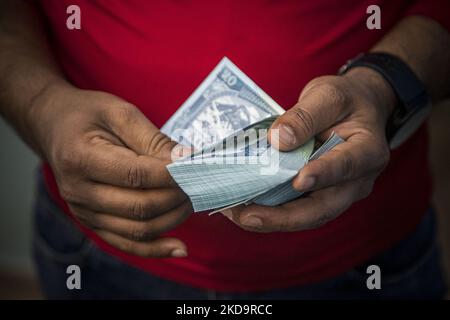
[409, 127]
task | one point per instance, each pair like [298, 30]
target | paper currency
[227, 120]
[226, 101]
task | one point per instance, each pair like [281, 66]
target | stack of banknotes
[226, 122]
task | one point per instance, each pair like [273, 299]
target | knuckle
[122, 113]
[333, 93]
[154, 251]
[139, 233]
[330, 89]
[289, 224]
[304, 121]
[290, 227]
[157, 142]
[68, 160]
[347, 166]
[285, 223]
[67, 192]
[280, 226]
[318, 82]
[139, 210]
[135, 176]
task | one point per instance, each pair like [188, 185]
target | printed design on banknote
[226, 101]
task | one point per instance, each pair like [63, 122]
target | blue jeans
[411, 269]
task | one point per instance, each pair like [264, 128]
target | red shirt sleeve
[438, 10]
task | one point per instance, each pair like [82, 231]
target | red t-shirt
[155, 53]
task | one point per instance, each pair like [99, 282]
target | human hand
[109, 163]
[356, 106]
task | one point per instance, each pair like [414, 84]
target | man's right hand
[109, 162]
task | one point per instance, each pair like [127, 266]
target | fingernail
[227, 213]
[307, 183]
[252, 221]
[180, 151]
[179, 253]
[287, 135]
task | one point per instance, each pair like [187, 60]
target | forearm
[27, 68]
[425, 46]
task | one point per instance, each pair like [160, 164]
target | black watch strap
[410, 91]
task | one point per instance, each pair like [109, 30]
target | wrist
[376, 86]
[42, 111]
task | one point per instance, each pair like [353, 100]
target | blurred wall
[17, 170]
[439, 128]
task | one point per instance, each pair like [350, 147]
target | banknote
[227, 120]
[229, 173]
[226, 101]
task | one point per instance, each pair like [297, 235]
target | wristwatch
[414, 102]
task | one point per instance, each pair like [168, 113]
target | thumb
[133, 128]
[311, 115]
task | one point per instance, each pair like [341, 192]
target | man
[90, 101]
